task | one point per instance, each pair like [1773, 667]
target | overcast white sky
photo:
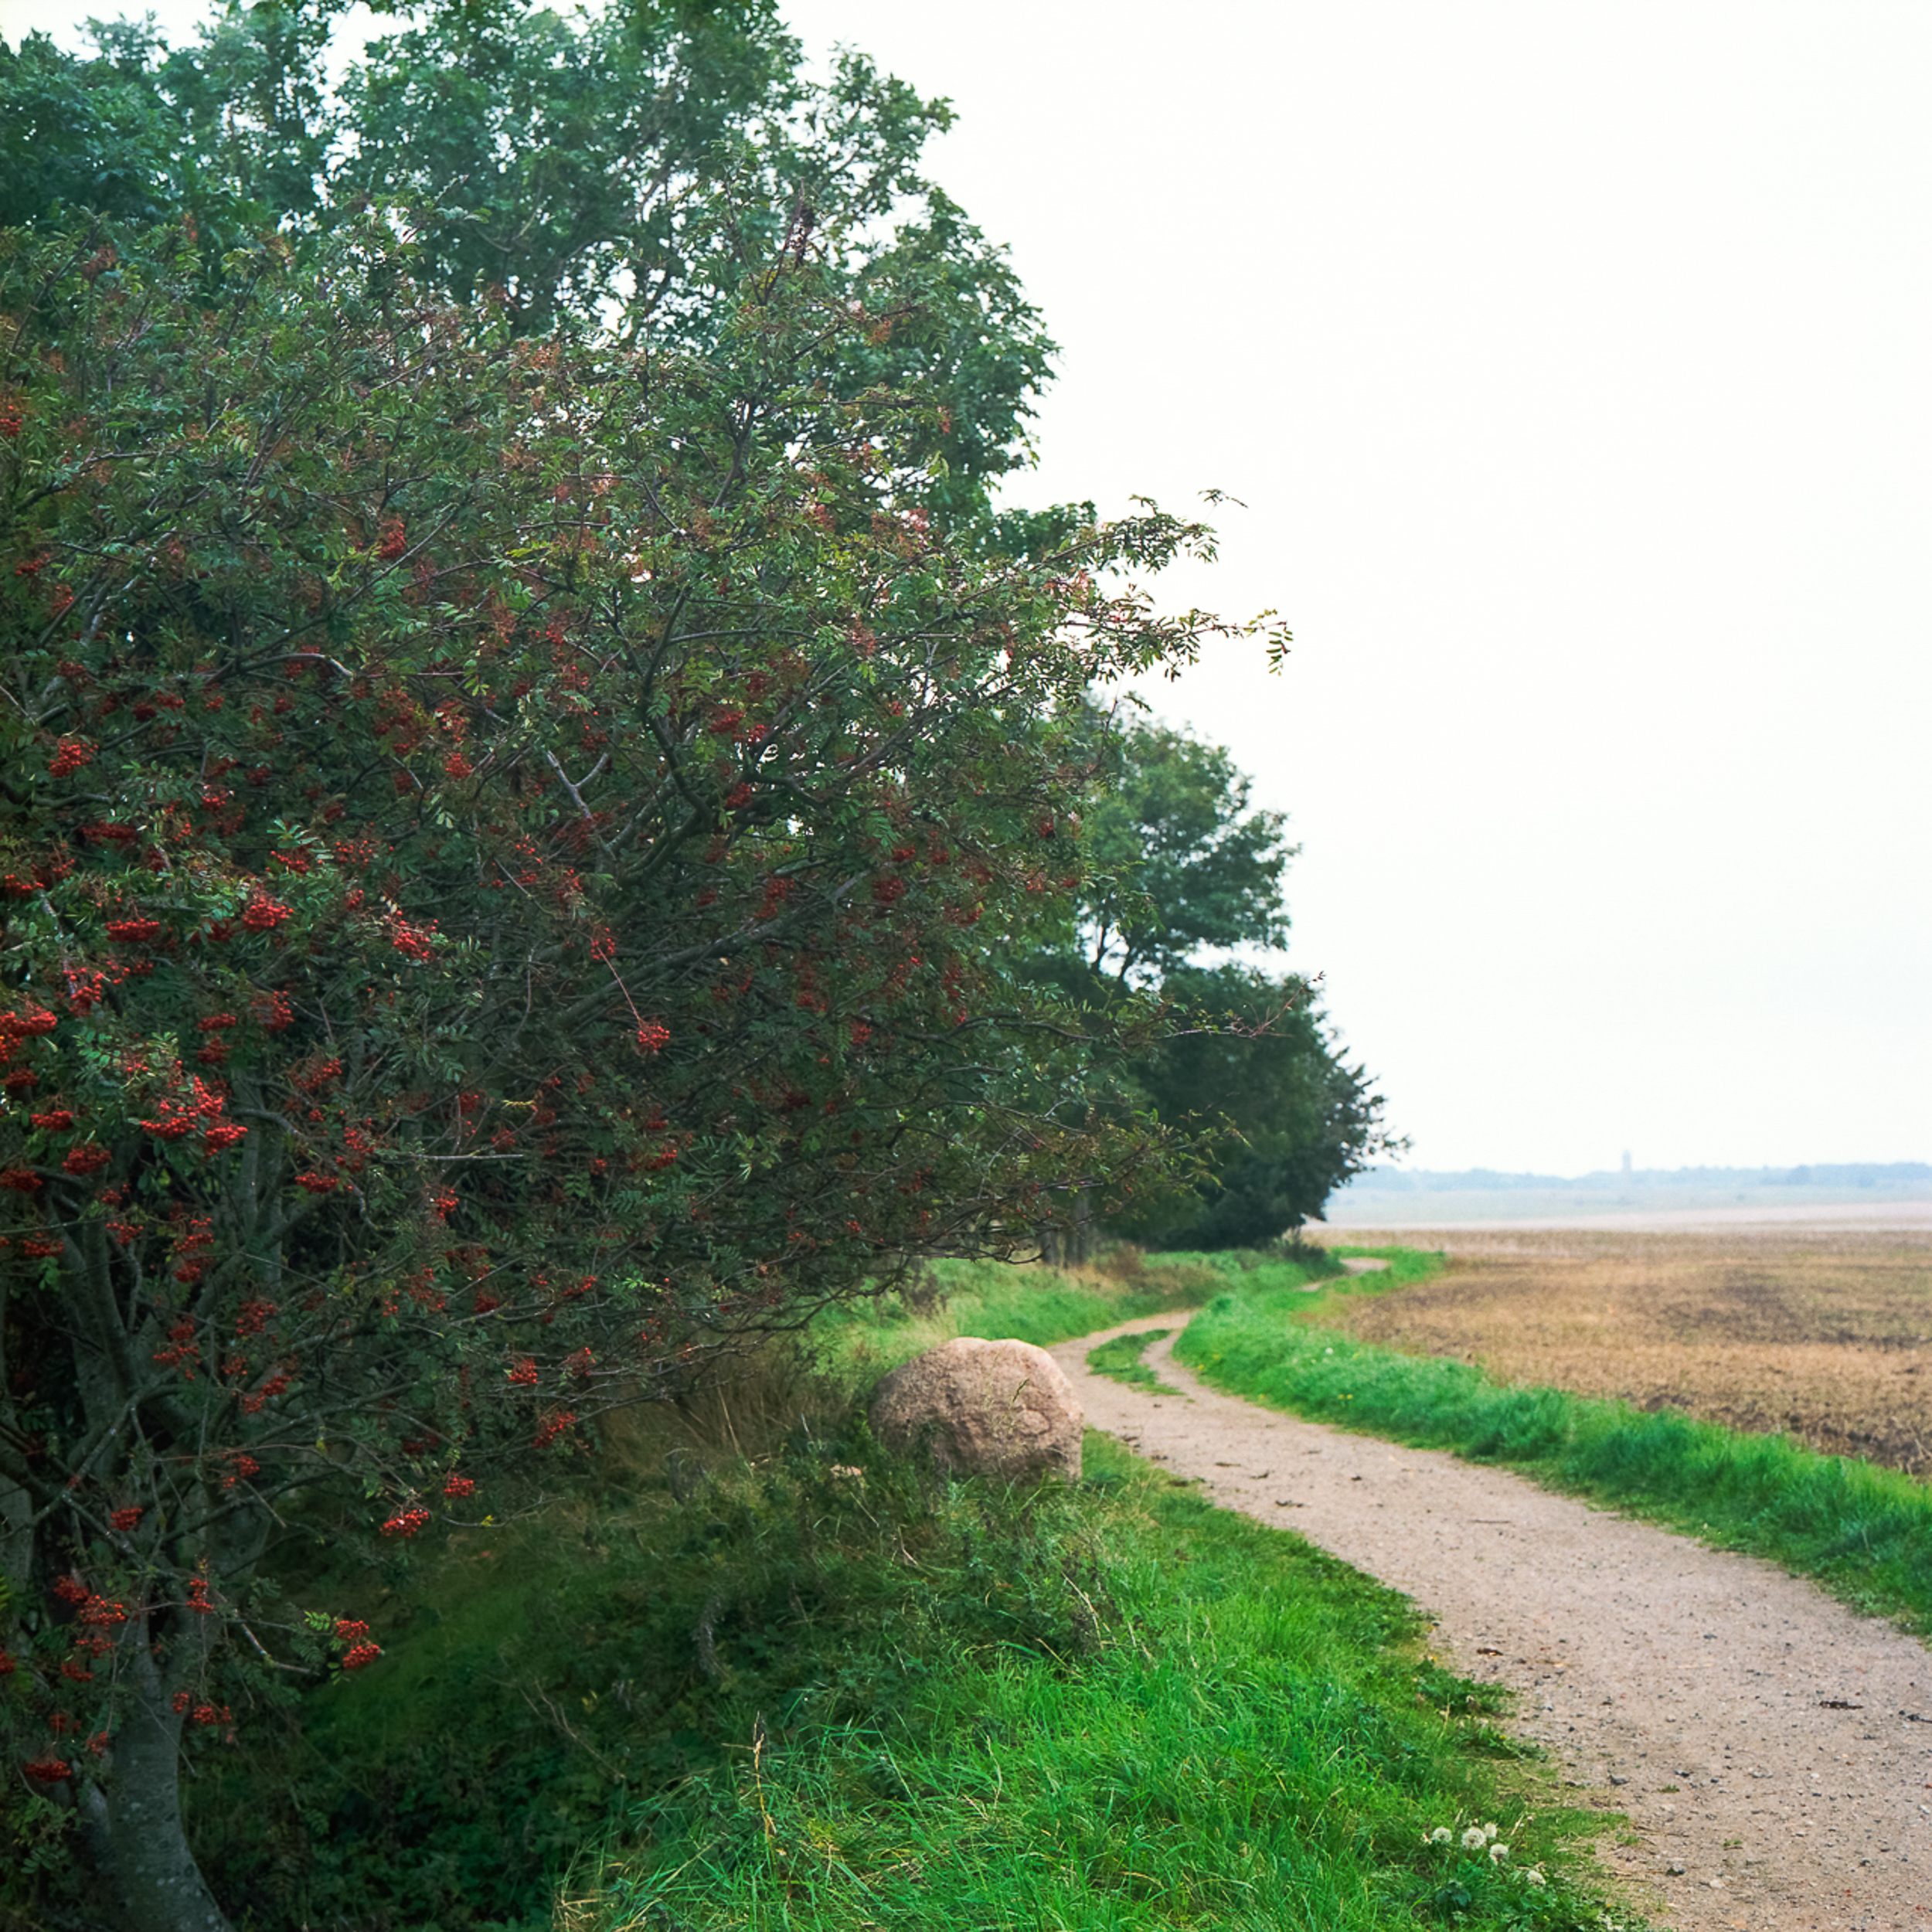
[1572, 361]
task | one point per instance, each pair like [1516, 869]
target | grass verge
[1864, 1533]
[1200, 1721]
[748, 1670]
[997, 1300]
[1120, 1359]
[1307, 1281]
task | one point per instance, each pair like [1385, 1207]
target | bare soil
[1763, 1758]
[1823, 1334]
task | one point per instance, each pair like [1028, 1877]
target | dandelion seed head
[1441, 1835]
[1498, 1853]
[1473, 1839]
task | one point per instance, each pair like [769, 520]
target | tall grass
[748, 1670]
[1865, 1533]
[1244, 1736]
[998, 1301]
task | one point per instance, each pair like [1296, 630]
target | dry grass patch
[1823, 1335]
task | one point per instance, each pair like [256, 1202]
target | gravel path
[1773, 1753]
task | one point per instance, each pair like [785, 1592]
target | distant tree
[1181, 862]
[1181, 865]
[1303, 1118]
[76, 135]
[513, 858]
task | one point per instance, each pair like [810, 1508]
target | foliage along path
[1771, 1751]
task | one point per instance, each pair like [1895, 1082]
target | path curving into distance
[1772, 1751]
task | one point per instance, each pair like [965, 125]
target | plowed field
[1823, 1335]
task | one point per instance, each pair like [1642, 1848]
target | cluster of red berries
[201, 1713]
[354, 1632]
[277, 1384]
[553, 1428]
[181, 1334]
[406, 1522]
[263, 914]
[416, 942]
[273, 1013]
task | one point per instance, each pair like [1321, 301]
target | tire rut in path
[1772, 1751]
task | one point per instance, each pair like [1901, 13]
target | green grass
[1305, 1283]
[816, 1688]
[1406, 1266]
[1863, 1532]
[997, 1300]
[1120, 1359]
[1245, 1736]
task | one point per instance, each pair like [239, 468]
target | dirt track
[1772, 1752]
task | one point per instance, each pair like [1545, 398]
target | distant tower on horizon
[1627, 1163]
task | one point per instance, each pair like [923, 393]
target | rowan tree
[511, 852]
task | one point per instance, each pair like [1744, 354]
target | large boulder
[986, 1408]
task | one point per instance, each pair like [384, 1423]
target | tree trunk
[130, 1817]
[1072, 1246]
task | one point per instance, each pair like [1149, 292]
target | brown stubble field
[1822, 1334]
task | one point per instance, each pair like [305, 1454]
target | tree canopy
[510, 853]
[535, 783]
[1182, 861]
[565, 170]
[1183, 870]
